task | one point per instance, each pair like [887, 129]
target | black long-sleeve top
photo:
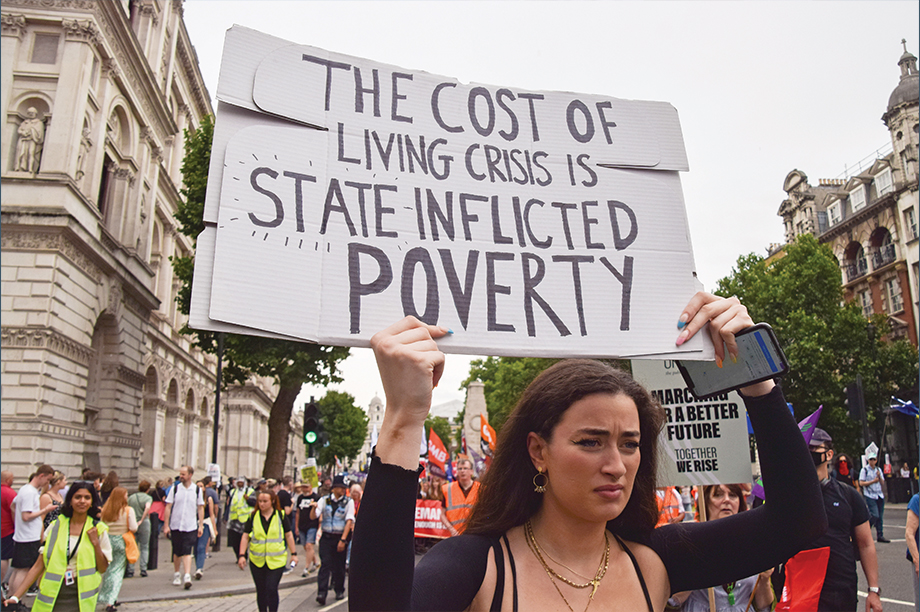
[383, 575]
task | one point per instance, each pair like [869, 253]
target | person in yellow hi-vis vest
[237, 512]
[77, 553]
[265, 536]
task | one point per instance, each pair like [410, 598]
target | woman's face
[592, 458]
[723, 502]
[265, 503]
[81, 501]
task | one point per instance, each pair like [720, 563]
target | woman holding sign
[754, 593]
[566, 513]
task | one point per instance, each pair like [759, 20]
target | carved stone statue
[85, 145]
[31, 138]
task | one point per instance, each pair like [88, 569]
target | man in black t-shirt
[286, 499]
[847, 531]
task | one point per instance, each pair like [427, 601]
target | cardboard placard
[703, 441]
[347, 194]
[308, 473]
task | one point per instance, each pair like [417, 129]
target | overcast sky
[762, 88]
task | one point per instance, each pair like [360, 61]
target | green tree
[346, 427]
[290, 364]
[441, 427]
[826, 340]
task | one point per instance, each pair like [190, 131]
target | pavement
[224, 587]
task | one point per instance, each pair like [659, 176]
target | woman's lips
[609, 491]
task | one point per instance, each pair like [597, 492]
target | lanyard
[75, 548]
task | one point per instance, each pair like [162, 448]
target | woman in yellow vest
[264, 536]
[76, 554]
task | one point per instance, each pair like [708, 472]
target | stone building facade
[869, 217]
[95, 373]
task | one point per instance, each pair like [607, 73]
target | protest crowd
[127, 528]
[309, 529]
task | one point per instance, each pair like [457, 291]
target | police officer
[336, 513]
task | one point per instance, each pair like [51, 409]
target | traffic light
[855, 405]
[311, 425]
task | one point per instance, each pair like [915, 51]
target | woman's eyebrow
[596, 431]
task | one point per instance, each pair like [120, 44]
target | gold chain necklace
[561, 564]
[598, 576]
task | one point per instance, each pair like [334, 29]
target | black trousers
[234, 539]
[154, 545]
[333, 563]
[267, 581]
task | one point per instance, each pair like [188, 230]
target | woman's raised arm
[410, 367]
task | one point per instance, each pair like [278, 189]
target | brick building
[869, 216]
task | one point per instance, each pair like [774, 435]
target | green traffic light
[310, 437]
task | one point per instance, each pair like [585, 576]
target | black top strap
[513, 571]
[499, 578]
[648, 600]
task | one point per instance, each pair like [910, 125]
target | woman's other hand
[93, 534]
[726, 317]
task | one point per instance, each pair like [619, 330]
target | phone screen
[759, 358]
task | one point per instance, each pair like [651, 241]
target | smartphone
[760, 358]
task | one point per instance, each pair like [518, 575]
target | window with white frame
[883, 182]
[858, 198]
[893, 293]
[833, 213]
[865, 300]
[910, 222]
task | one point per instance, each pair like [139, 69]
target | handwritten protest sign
[703, 441]
[346, 193]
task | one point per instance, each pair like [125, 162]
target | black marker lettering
[279, 207]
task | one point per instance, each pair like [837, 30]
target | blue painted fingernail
[450, 332]
[680, 324]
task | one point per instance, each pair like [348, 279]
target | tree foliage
[826, 341]
[345, 424]
[289, 364]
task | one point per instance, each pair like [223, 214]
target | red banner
[428, 520]
[437, 453]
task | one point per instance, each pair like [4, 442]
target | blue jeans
[201, 549]
[877, 514]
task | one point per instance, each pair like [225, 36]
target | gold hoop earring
[540, 487]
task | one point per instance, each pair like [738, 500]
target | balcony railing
[883, 256]
[860, 268]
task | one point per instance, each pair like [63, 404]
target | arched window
[855, 261]
[882, 248]
[101, 374]
[152, 450]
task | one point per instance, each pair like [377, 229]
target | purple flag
[808, 424]
[807, 427]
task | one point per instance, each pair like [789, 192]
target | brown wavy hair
[506, 495]
[115, 505]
